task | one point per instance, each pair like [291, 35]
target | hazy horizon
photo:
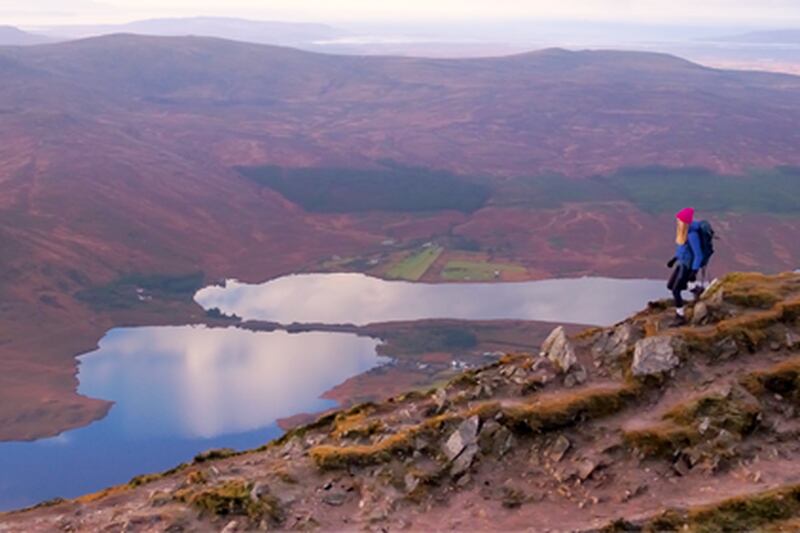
[718, 13]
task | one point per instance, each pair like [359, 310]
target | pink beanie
[685, 215]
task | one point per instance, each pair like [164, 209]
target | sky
[767, 13]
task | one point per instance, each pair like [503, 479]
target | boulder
[654, 355]
[577, 376]
[465, 435]
[700, 313]
[464, 460]
[559, 350]
[613, 344]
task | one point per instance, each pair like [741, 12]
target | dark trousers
[679, 282]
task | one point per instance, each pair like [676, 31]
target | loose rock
[726, 348]
[614, 344]
[559, 448]
[464, 460]
[336, 499]
[559, 350]
[466, 434]
[654, 355]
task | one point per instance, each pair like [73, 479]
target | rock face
[654, 355]
[466, 435]
[559, 350]
[613, 345]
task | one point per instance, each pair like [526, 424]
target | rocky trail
[638, 427]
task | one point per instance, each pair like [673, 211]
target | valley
[136, 170]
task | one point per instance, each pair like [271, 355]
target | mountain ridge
[592, 433]
[13, 36]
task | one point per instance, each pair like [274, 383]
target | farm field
[413, 267]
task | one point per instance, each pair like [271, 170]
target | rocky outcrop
[510, 435]
[655, 355]
[559, 350]
[465, 436]
[613, 344]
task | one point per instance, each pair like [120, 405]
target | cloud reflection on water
[200, 382]
[359, 299]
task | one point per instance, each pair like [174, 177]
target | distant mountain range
[763, 37]
[260, 32]
[11, 36]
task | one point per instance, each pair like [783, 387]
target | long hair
[682, 232]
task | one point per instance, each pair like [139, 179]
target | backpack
[706, 234]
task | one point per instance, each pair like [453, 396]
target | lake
[178, 391]
[181, 390]
[359, 300]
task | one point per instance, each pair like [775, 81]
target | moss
[356, 425]
[661, 439]
[750, 329]
[233, 499]
[465, 379]
[562, 409]
[196, 477]
[331, 457]
[782, 378]
[145, 479]
[286, 477]
[744, 513]
[214, 455]
[323, 422]
[736, 411]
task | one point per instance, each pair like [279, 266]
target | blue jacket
[690, 254]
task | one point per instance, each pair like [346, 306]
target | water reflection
[179, 391]
[202, 382]
[359, 299]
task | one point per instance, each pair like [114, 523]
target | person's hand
[672, 262]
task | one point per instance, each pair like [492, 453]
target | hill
[121, 158]
[11, 36]
[598, 432]
[253, 31]
[504, 116]
[764, 37]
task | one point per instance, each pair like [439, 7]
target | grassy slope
[414, 266]
[476, 270]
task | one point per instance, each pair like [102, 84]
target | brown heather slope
[550, 111]
[116, 158]
[652, 429]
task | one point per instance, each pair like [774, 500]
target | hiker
[694, 248]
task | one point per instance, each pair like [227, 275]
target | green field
[476, 270]
[414, 266]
